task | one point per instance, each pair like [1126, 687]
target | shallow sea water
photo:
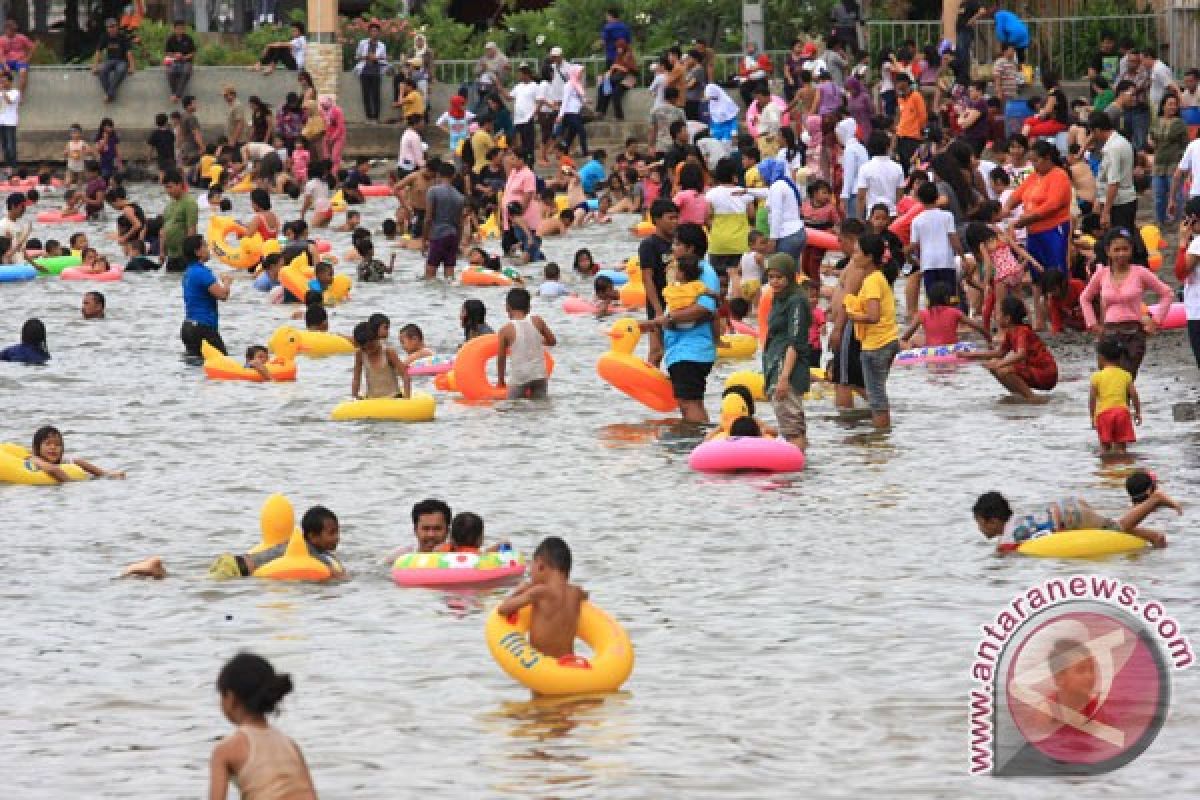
[807, 635]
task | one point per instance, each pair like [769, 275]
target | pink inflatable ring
[747, 454]
[438, 570]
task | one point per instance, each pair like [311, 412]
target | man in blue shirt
[690, 352]
[613, 30]
[201, 291]
[591, 174]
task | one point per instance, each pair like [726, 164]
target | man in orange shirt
[910, 129]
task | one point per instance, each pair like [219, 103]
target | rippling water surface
[800, 636]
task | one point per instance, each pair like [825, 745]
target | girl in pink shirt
[690, 199]
[301, 156]
[1121, 287]
[941, 320]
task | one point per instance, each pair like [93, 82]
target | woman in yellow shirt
[873, 312]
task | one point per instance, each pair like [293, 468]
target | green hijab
[785, 265]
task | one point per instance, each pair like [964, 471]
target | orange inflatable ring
[473, 277]
[470, 369]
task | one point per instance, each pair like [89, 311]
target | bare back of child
[556, 602]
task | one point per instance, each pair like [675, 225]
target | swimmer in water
[93, 305]
[47, 456]
[257, 357]
[555, 601]
[412, 342]
[321, 533]
[466, 536]
[607, 296]
[431, 525]
[995, 518]
[260, 759]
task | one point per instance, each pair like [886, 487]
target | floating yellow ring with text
[1083, 544]
[608, 668]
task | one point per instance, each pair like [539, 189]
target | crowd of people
[1009, 209]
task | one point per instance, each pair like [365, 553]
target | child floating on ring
[466, 536]
[995, 518]
[47, 456]
[556, 602]
[386, 373]
[321, 534]
[257, 357]
[412, 342]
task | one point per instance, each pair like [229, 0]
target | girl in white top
[317, 197]
[263, 762]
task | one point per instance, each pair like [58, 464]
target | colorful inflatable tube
[54, 265]
[54, 216]
[219, 367]
[375, 190]
[1083, 544]
[618, 277]
[420, 407]
[822, 240]
[574, 304]
[484, 277]
[431, 365]
[466, 570]
[80, 274]
[608, 668]
[747, 454]
[942, 354]
[1176, 316]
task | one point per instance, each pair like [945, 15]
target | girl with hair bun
[265, 763]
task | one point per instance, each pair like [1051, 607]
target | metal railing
[1066, 43]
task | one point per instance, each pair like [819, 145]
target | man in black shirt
[653, 254]
[964, 34]
[178, 52]
[162, 139]
[114, 59]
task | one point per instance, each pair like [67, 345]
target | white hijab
[721, 107]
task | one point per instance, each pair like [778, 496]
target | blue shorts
[723, 131]
[17, 66]
[1049, 248]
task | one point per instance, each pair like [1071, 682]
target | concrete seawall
[57, 97]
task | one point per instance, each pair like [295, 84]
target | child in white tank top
[520, 352]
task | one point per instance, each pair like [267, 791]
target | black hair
[97, 296]
[389, 227]
[42, 434]
[253, 350]
[315, 315]
[555, 552]
[1140, 485]
[412, 331]
[691, 176]
[551, 271]
[160, 120]
[940, 293]
[518, 299]
[191, 247]
[745, 426]
[254, 683]
[742, 392]
[363, 335]
[738, 307]
[475, 312]
[323, 266]
[1100, 121]
[313, 521]
[689, 234]
[662, 207]
[1110, 349]
[1054, 282]
[878, 143]
[603, 283]
[33, 334]
[977, 233]
[314, 297]
[377, 321]
[467, 529]
[431, 505]
[927, 193]
[261, 198]
[992, 505]
[1014, 309]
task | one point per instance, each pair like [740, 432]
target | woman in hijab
[722, 112]
[335, 129]
[570, 113]
[858, 106]
[786, 224]
[785, 349]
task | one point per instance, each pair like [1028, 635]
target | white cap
[556, 51]
[490, 46]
